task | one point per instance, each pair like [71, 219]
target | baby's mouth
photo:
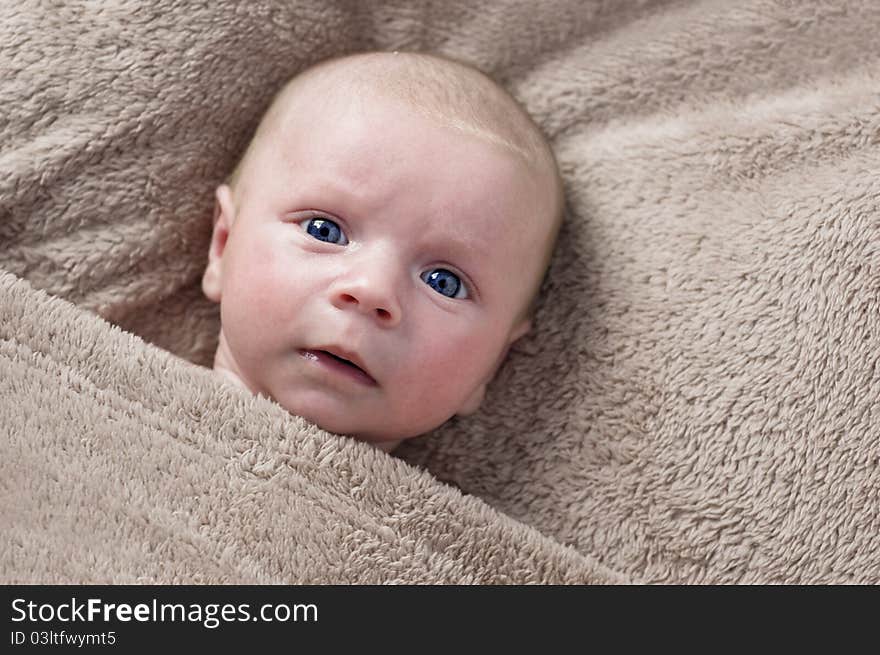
[340, 364]
[343, 360]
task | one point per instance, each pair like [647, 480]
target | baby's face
[377, 236]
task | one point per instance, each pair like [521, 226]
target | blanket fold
[125, 464]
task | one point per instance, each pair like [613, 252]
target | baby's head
[379, 246]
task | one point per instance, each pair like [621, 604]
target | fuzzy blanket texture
[699, 401]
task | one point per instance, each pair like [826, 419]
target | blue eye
[445, 282]
[324, 229]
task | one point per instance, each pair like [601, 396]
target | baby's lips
[350, 356]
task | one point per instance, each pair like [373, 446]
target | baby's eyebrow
[469, 251]
[466, 255]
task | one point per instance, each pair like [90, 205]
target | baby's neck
[229, 376]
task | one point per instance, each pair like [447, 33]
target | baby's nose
[369, 291]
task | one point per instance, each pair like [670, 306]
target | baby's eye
[445, 282]
[324, 229]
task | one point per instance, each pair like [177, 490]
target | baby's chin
[385, 445]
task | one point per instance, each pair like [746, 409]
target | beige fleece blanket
[699, 401]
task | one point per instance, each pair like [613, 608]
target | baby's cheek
[450, 371]
[256, 272]
[254, 296]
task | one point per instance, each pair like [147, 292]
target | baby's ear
[224, 211]
[473, 402]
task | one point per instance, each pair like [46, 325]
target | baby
[379, 246]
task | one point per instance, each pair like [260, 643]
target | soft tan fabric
[699, 401]
[124, 464]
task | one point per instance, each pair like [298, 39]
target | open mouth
[344, 361]
[339, 364]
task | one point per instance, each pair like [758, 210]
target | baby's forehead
[360, 141]
[381, 132]
[447, 93]
[364, 155]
